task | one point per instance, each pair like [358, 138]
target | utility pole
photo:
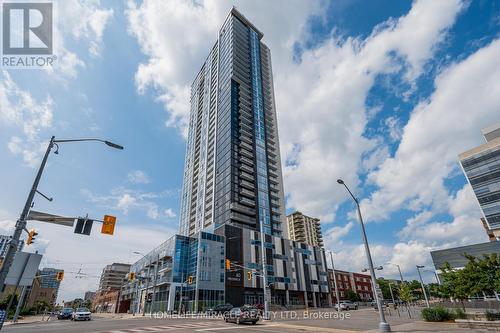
[422, 284]
[21, 222]
[146, 290]
[383, 324]
[154, 283]
[335, 283]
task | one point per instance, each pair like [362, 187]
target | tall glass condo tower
[232, 169]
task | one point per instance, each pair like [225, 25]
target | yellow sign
[108, 226]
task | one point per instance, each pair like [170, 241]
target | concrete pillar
[305, 300]
[314, 300]
[287, 298]
[330, 301]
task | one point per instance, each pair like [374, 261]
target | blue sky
[384, 94]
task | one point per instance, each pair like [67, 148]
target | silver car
[81, 314]
[346, 305]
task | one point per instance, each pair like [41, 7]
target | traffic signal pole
[21, 222]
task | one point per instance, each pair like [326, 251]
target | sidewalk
[29, 320]
[427, 327]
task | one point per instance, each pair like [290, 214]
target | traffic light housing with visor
[31, 236]
[60, 276]
[249, 275]
[108, 225]
[131, 276]
[228, 264]
[190, 280]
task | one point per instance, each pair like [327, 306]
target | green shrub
[437, 313]
[460, 314]
[491, 316]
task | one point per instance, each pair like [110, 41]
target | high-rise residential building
[481, 165]
[305, 229]
[112, 276]
[232, 205]
[232, 169]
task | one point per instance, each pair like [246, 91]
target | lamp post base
[384, 327]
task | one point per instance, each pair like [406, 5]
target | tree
[352, 296]
[406, 295]
[478, 276]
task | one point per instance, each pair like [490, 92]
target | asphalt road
[325, 320]
[147, 325]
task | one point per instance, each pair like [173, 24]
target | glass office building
[481, 165]
[169, 273]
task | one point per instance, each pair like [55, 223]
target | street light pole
[383, 324]
[335, 283]
[422, 284]
[21, 222]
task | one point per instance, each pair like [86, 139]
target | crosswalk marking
[159, 328]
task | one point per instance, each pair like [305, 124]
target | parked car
[220, 309]
[66, 313]
[81, 314]
[245, 314]
[375, 306]
[346, 305]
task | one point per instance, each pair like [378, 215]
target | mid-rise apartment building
[481, 165]
[112, 276]
[359, 283]
[305, 229]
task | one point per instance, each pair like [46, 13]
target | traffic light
[149, 298]
[83, 226]
[228, 264]
[60, 276]
[249, 275]
[31, 236]
[108, 225]
[131, 276]
[190, 279]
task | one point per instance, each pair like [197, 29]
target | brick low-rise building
[361, 284]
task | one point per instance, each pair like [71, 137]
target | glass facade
[483, 171]
[260, 136]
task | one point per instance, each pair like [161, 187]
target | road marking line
[231, 327]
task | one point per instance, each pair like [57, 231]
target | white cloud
[21, 111]
[394, 128]
[138, 177]
[332, 237]
[466, 99]
[84, 20]
[125, 200]
[169, 213]
[321, 100]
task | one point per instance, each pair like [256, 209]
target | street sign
[50, 218]
[108, 225]
[31, 260]
[378, 290]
